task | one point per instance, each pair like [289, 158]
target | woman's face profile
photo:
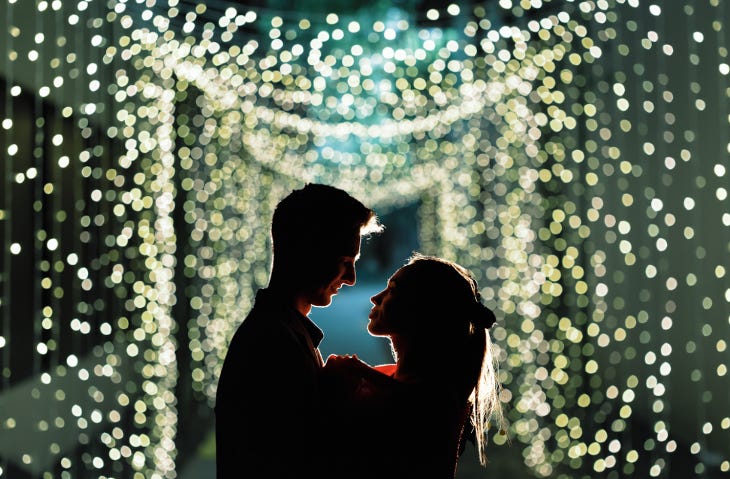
[389, 306]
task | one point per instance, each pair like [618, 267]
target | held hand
[337, 357]
[344, 372]
[337, 362]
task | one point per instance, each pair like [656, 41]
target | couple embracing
[282, 412]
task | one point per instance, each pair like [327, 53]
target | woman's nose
[376, 299]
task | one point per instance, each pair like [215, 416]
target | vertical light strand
[646, 68]
[720, 169]
[75, 464]
[52, 186]
[664, 434]
[162, 270]
[6, 213]
[718, 184]
[53, 189]
[602, 288]
[663, 427]
[36, 174]
[61, 163]
[81, 181]
[693, 159]
[650, 71]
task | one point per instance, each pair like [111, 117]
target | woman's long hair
[449, 302]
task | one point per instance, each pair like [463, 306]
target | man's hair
[318, 218]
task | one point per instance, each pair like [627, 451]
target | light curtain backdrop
[572, 154]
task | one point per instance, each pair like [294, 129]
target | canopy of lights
[572, 154]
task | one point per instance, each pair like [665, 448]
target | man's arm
[265, 410]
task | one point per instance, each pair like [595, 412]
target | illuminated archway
[572, 154]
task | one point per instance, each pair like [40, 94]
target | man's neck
[291, 297]
[303, 306]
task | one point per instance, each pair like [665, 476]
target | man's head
[316, 234]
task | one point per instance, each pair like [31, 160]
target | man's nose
[350, 275]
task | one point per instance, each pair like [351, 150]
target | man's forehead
[351, 248]
[341, 247]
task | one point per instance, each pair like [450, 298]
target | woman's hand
[341, 357]
[344, 373]
[343, 363]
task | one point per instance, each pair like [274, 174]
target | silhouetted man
[268, 388]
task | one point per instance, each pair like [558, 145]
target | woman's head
[429, 296]
[432, 311]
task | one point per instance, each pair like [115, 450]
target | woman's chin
[373, 329]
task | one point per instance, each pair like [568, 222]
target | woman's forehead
[400, 276]
[429, 274]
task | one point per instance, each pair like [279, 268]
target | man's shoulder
[267, 311]
[256, 342]
[267, 323]
[261, 322]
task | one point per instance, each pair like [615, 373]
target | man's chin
[323, 302]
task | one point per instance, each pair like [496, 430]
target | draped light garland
[572, 154]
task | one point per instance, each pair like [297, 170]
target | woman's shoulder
[358, 383]
[387, 369]
[352, 365]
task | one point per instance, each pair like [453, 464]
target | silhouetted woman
[408, 419]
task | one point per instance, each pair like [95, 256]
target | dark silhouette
[408, 419]
[268, 394]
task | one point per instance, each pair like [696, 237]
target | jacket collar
[271, 299]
